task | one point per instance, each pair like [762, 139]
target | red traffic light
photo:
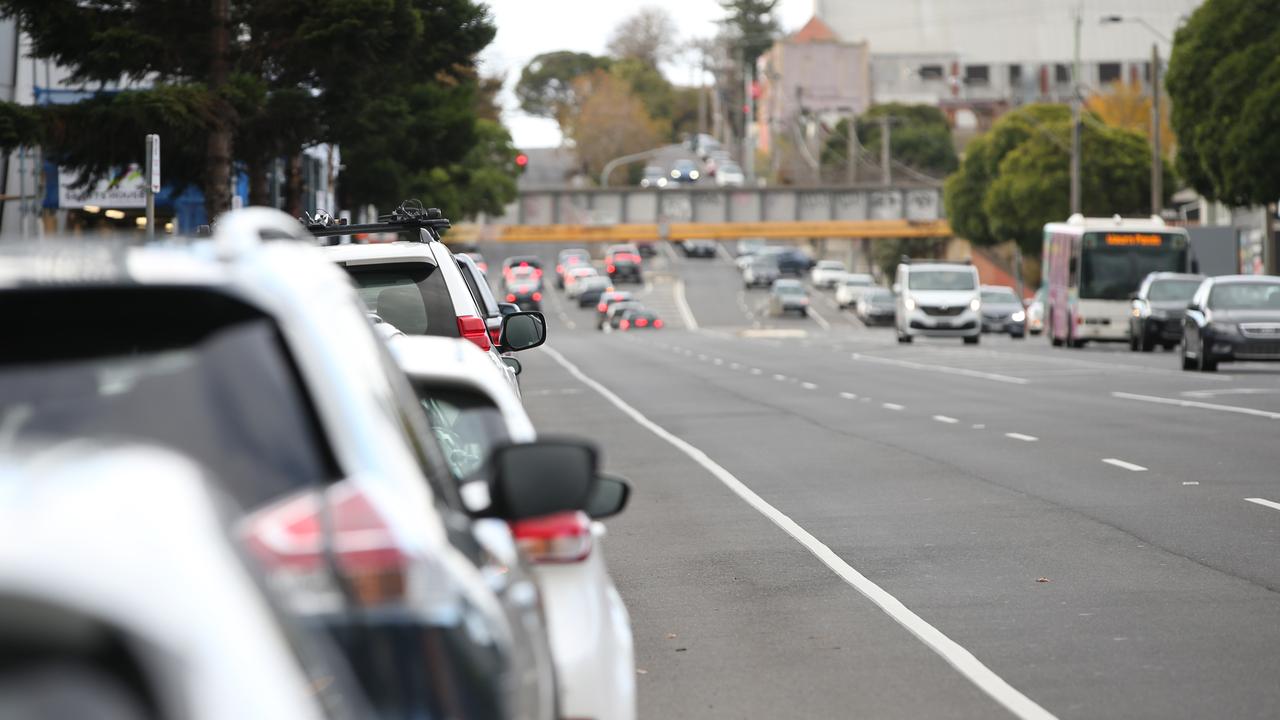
[522, 159]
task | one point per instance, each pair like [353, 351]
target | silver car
[788, 296]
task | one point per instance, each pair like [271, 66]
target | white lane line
[1191, 482]
[848, 396]
[808, 386]
[779, 377]
[1197, 404]
[979, 427]
[818, 318]
[702, 357]
[945, 419]
[686, 312]
[945, 369]
[756, 371]
[1020, 436]
[1264, 503]
[949, 650]
[892, 406]
[735, 366]
[718, 361]
[1124, 464]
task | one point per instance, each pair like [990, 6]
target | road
[828, 524]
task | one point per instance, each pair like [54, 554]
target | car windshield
[1172, 290]
[467, 424]
[411, 296]
[940, 280]
[879, 295]
[788, 289]
[857, 281]
[1000, 297]
[1245, 296]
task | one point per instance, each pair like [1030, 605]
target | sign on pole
[153, 182]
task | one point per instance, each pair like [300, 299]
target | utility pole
[886, 175]
[152, 173]
[749, 113]
[851, 172]
[1075, 118]
[1157, 174]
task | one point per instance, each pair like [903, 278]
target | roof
[814, 31]
[379, 252]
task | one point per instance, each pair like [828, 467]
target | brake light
[537, 297]
[560, 538]
[495, 334]
[624, 325]
[524, 264]
[641, 322]
[559, 269]
[537, 272]
[601, 307]
[511, 297]
[657, 323]
[473, 329]
[484, 267]
[609, 268]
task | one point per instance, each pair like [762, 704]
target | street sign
[153, 162]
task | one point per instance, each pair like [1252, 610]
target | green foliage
[1224, 81]
[545, 88]
[752, 25]
[1016, 178]
[483, 181]
[919, 138]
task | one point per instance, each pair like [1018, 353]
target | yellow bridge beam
[710, 231]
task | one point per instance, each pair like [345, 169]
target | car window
[479, 289]
[940, 280]
[467, 425]
[411, 296]
[1172, 290]
[1002, 297]
[1245, 296]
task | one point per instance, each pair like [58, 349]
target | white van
[938, 299]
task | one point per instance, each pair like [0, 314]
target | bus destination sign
[1134, 239]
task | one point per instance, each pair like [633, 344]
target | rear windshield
[940, 280]
[411, 296]
[192, 371]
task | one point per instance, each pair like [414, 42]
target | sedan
[590, 288]
[613, 316]
[639, 319]
[1158, 307]
[1233, 317]
[851, 288]
[876, 306]
[569, 259]
[573, 278]
[685, 171]
[654, 177]
[788, 296]
[526, 295]
[608, 298]
[761, 271]
[827, 273]
[1002, 311]
[699, 248]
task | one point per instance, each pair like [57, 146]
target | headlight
[975, 304]
[909, 303]
[694, 174]
[675, 173]
[1018, 316]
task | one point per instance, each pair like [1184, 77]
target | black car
[1234, 317]
[1002, 311]
[606, 299]
[623, 263]
[526, 295]
[790, 261]
[1158, 307]
[699, 248]
[639, 318]
[876, 307]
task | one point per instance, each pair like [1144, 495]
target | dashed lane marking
[808, 386]
[945, 369]
[945, 419]
[892, 406]
[1022, 437]
[848, 396]
[1124, 464]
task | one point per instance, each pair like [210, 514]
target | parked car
[623, 262]
[478, 259]
[786, 296]
[472, 412]
[653, 177]
[123, 594]
[259, 362]
[1002, 311]
[699, 248]
[827, 274]
[875, 306]
[937, 299]
[486, 303]
[762, 271]
[1158, 308]
[851, 287]
[1231, 318]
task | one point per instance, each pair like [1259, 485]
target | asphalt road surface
[828, 524]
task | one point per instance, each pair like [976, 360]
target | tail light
[559, 538]
[495, 334]
[657, 323]
[624, 325]
[537, 297]
[524, 264]
[609, 268]
[287, 540]
[511, 297]
[641, 322]
[559, 269]
[474, 329]
[484, 267]
[601, 307]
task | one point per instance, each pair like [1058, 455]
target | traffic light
[522, 160]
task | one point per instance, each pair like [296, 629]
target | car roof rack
[409, 215]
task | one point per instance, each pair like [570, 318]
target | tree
[752, 25]
[483, 181]
[920, 138]
[609, 123]
[1224, 81]
[1015, 178]
[649, 36]
[1127, 106]
[546, 89]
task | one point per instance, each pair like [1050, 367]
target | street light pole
[1075, 120]
[1157, 170]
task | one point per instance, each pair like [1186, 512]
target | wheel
[1206, 363]
[904, 339]
[1169, 346]
[972, 339]
[1133, 341]
[1053, 339]
[1147, 344]
[1018, 336]
[1187, 363]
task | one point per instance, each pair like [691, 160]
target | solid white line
[1264, 503]
[819, 319]
[686, 312]
[943, 369]
[1197, 404]
[1020, 436]
[808, 386]
[892, 406]
[702, 357]
[1124, 464]
[945, 419]
[949, 650]
[848, 396]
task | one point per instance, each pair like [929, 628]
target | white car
[590, 630]
[572, 286]
[827, 273]
[851, 287]
[938, 299]
[116, 560]
[730, 175]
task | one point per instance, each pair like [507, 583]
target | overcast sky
[530, 27]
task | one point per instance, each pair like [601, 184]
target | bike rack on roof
[410, 215]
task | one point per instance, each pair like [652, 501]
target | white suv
[938, 299]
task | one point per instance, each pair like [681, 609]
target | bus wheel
[1053, 337]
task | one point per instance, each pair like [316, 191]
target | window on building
[977, 74]
[1108, 72]
[1062, 73]
[930, 72]
[1015, 75]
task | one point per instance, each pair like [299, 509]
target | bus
[1093, 266]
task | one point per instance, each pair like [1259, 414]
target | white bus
[1092, 267]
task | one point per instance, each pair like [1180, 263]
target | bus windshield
[1112, 265]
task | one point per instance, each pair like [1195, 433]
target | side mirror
[541, 478]
[513, 363]
[506, 309]
[522, 331]
[609, 497]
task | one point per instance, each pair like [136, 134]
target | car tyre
[1206, 363]
[972, 339]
